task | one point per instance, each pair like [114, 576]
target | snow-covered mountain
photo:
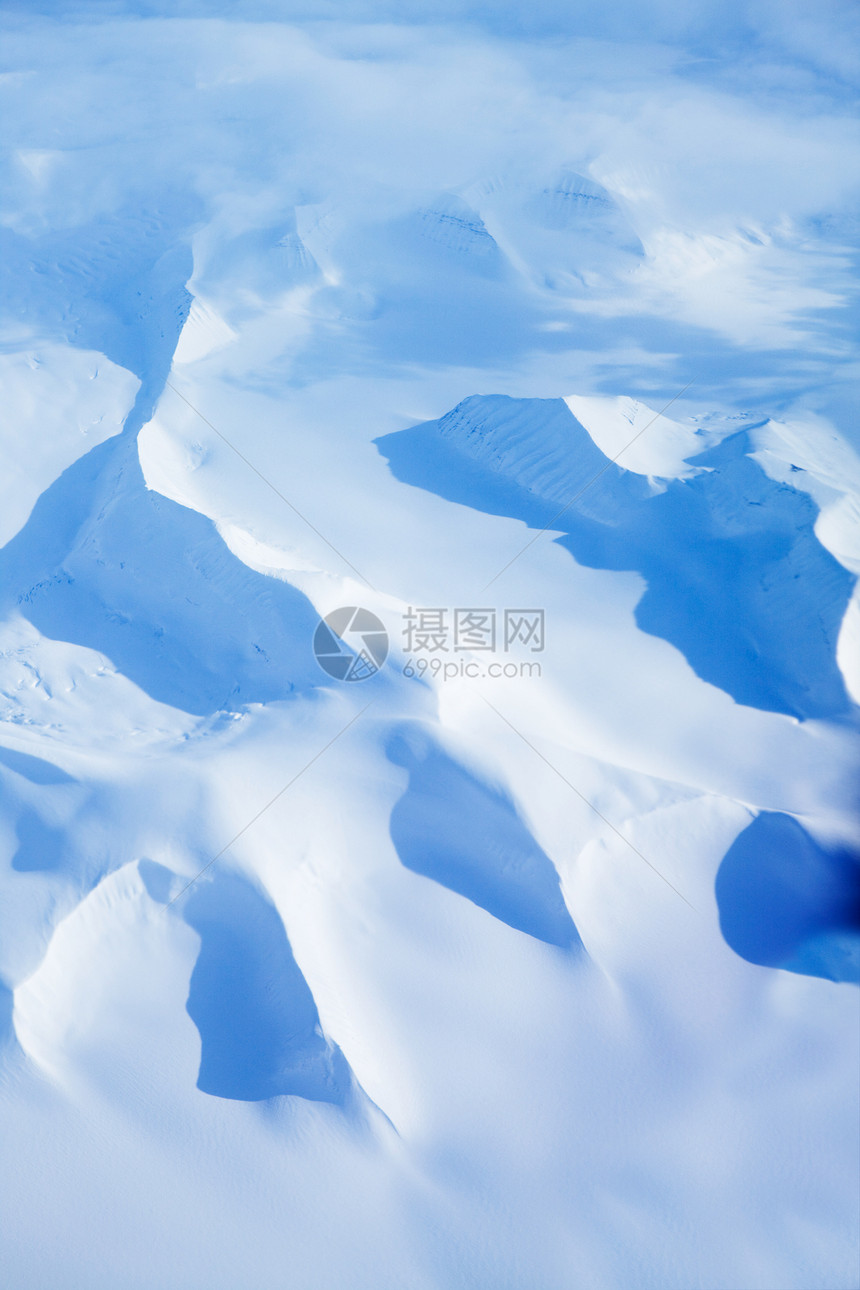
[502, 364]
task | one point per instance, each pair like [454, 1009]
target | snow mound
[735, 575]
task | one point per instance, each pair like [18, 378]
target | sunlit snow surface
[529, 982]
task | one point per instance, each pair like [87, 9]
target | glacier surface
[524, 962]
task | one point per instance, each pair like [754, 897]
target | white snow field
[530, 961]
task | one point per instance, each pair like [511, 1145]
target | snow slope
[439, 979]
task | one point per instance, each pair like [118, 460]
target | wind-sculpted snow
[464, 278]
[453, 224]
[35, 769]
[41, 846]
[258, 1023]
[786, 901]
[106, 563]
[735, 576]
[573, 203]
[535, 977]
[41, 840]
[466, 835]
[58, 403]
[115, 286]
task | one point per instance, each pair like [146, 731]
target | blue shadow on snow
[786, 902]
[41, 847]
[468, 837]
[736, 578]
[259, 1026]
[35, 769]
[106, 563]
